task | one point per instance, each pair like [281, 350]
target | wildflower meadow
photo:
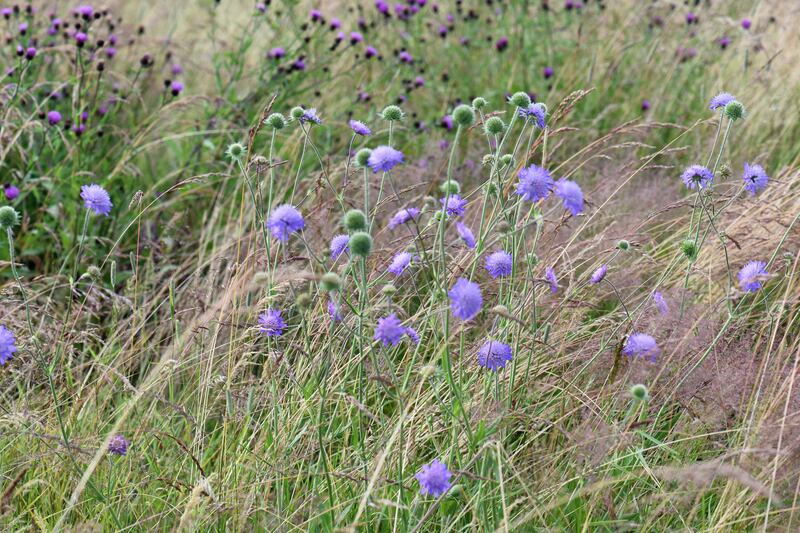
[407, 266]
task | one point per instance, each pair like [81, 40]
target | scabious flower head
[362, 157]
[661, 303]
[466, 235]
[11, 192]
[599, 274]
[96, 198]
[494, 355]
[571, 194]
[755, 178]
[536, 113]
[550, 276]
[359, 128]
[403, 216]
[454, 205]
[400, 263]
[236, 151]
[434, 479]
[118, 445]
[339, 245]
[8, 217]
[464, 115]
[334, 312]
[413, 335]
[535, 183]
[7, 345]
[392, 113]
[499, 263]
[384, 159]
[720, 100]
[361, 243]
[520, 99]
[734, 110]
[494, 126]
[752, 276]
[389, 330]
[284, 221]
[310, 115]
[465, 299]
[697, 176]
[271, 323]
[641, 345]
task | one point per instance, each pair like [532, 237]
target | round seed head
[725, 172]
[734, 110]
[450, 187]
[236, 151]
[479, 103]
[639, 392]
[464, 115]
[521, 99]
[303, 300]
[362, 157]
[297, 112]
[330, 282]
[389, 290]
[360, 244]
[277, 121]
[355, 220]
[8, 217]
[533, 259]
[623, 244]
[506, 160]
[495, 126]
[392, 113]
[689, 249]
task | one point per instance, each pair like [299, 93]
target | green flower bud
[533, 259]
[236, 151]
[355, 220]
[330, 282]
[506, 160]
[488, 160]
[303, 300]
[392, 113]
[479, 103]
[463, 115]
[734, 110]
[520, 99]
[360, 244]
[725, 172]
[297, 112]
[450, 186]
[277, 121]
[362, 157]
[640, 392]
[8, 217]
[494, 126]
[689, 249]
[389, 290]
[623, 244]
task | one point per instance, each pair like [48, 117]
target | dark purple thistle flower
[645, 105]
[755, 178]
[724, 42]
[334, 311]
[96, 198]
[359, 128]
[641, 345]
[355, 37]
[571, 194]
[535, 183]
[691, 18]
[499, 263]
[340, 244]
[85, 11]
[176, 87]
[501, 44]
[697, 176]
[746, 24]
[550, 276]
[661, 303]
[261, 7]
[310, 115]
[81, 38]
[30, 53]
[118, 445]
[370, 51]
[405, 57]
[413, 335]
[548, 72]
[7, 345]
[434, 479]
[447, 122]
[23, 28]
[494, 355]
[336, 24]
[299, 64]
[534, 113]
[389, 330]
[465, 299]
[111, 52]
[400, 262]
[466, 235]
[752, 276]
[284, 221]
[403, 216]
[11, 192]
[454, 205]
[271, 323]
[384, 159]
[176, 69]
[316, 15]
[599, 274]
[276, 53]
[721, 100]
[419, 81]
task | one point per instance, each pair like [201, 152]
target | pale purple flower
[752, 275]
[571, 194]
[454, 205]
[494, 355]
[400, 262]
[310, 115]
[96, 198]
[434, 479]
[661, 303]
[466, 235]
[276, 53]
[413, 335]
[599, 274]
[271, 323]
[118, 445]
[334, 311]
[642, 346]
[403, 216]
[340, 244]
[359, 128]
[535, 113]
[550, 276]
[535, 183]
[389, 330]
[720, 100]
[384, 159]
[697, 176]
[755, 178]
[548, 72]
[499, 263]
[465, 299]
[284, 221]
[7, 345]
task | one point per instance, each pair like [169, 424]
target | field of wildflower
[401, 266]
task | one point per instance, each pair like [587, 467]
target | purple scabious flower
[571, 194]
[499, 263]
[334, 312]
[96, 198]
[400, 263]
[721, 100]
[466, 235]
[340, 244]
[534, 113]
[697, 176]
[752, 275]
[53, 117]
[359, 128]
[7, 345]
[118, 445]
[413, 335]
[310, 115]
[465, 299]
[641, 345]
[434, 479]
[661, 303]
[755, 178]
[550, 276]
[599, 274]
[284, 221]
[535, 183]
[271, 323]
[389, 331]
[11, 192]
[494, 355]
[384, 159]
[454, 205]
[403, 216]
